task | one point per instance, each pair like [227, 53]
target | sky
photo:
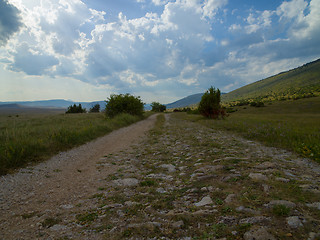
[160, 50]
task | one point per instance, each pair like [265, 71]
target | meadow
[292, 125]
[29, 138]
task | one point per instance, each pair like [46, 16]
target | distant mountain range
[57, 103]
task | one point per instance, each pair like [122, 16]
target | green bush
[209, 105]
[158, 107]
[124, 103]
[95, 108]
[257, 104]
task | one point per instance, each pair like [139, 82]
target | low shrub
[209, 105]
[124, 103]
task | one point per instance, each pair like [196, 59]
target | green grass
[33, 138]
[87, 217]
[281, 210]
[292, 125]
[49, 222]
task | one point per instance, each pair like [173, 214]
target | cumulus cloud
[212, 6]
[159, 2]
[157, 44]
[299, 32]
[10, 21]
[292, 9]
[303, 18]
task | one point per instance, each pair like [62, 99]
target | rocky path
[184, 181]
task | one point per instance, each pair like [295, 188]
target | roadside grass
[157, 129]
[34, 137]
[292, 125]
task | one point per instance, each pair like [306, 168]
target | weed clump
[280, 210]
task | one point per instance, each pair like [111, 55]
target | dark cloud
[30, 63]
[9, 21]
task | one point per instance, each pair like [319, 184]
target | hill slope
[300, 82]
[187, 101]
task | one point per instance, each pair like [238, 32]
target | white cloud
[235, 27]
[256, 21]
[306, 18]
[159, 2]
[224, 43]
[292, 9]
[211, 7]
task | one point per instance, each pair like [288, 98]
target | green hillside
[298, 83]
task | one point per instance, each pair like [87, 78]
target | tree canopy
[76, 109]
[158, 107]
[95, 108]
[124, 103]
[210, 104]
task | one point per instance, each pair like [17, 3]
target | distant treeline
[79, 109]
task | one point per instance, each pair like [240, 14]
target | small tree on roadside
[124, 103]
[76, 109]
[95, 108]
[210, 104]
[158, 107]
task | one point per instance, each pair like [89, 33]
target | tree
[95, 108]
[157, 107]
[210, 104]
[76, 109]
[124, 103]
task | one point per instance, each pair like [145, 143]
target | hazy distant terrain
[19, 109]
[45, 105]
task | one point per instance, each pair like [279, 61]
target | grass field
[29, 138]
[292, 125]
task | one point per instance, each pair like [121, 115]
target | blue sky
[161, 50]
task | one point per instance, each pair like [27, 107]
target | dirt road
[35, 196]
[181, 181]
